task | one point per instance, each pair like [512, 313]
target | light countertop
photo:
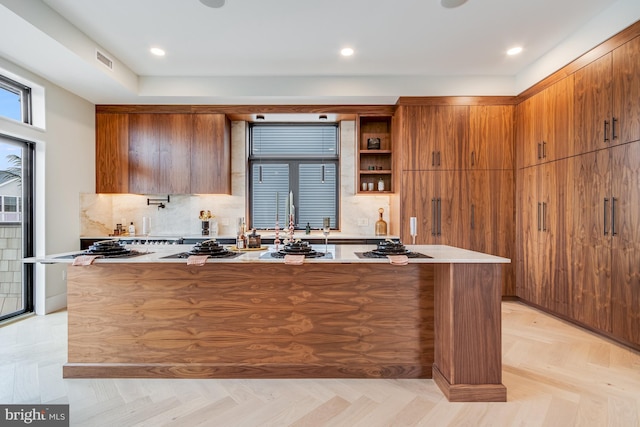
[340, 254]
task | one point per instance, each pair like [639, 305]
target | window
[15, 100]
[298, 160]
[10, 204]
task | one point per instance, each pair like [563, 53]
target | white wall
[65, 167]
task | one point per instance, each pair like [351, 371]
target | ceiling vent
[104, 59]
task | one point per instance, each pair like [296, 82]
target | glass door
[16, 226]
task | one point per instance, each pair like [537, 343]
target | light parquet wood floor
[556, 375]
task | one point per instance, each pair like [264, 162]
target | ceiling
[287, 51]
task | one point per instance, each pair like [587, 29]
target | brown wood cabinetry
[434, 136]
[375, 153]
[112, 153]
[491, 137]
[211, 154]
[605, 246]
[155, 153]
[607, 90]
[458, 180]
[160, 153]
[545, 124]
[543, 261]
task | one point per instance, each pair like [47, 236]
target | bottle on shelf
[380, 185]
[241, 239]
[381, 225]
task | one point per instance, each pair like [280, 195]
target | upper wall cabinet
[545, 130]
[155, 153]
[432, 136]
[112, 153]
[490, 137]
[606, 93]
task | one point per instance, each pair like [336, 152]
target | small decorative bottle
[380, 185]
[307, 229]
[381, 225]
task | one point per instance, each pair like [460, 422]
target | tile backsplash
[99, 213]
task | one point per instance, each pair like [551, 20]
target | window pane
[275, 179]
[10, 204]
[10, 105]
[317, 198]
[294, 141]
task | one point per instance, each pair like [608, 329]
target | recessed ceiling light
[347, 51]
[450, 4]
[157, 51]
[514, 50]
[213, 3]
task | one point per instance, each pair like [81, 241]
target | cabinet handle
[473, 217]
[613, 216]
[539, 207]
[433, 217]
[544, 150]
[606, 232]
[606, 130]
[544, 216]
[539, 151]
[613, 128]
[439, 216]
[473, 158]
[438, 158]
[433, 158]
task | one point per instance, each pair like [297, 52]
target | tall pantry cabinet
[579, 209]
[457, 178]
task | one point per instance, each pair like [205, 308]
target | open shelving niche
[375, 163]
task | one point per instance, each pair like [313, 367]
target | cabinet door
[531, 225]
[211, 154]
[159, 153]
[625, 242]
[554, 258]
[434, 136]
[557, 142]
[419, 200]
[589, 239]
[490, 215]
[592, 105]
[626, 92]
[452, 209]
[451, 134]
[112, 153]
[490, 137]
[530, 118]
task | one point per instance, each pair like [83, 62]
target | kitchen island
[257, 317]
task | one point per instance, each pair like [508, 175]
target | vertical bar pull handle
[433, 158]
[473, 158]
[539, 151]
[539, 207]
[438, 158]
[606, 231]
[613, 128]
[606, 131]
[544, 150]
[439, 216]
[433, 217]
[613, 216]
[544, 216]
[473, 217]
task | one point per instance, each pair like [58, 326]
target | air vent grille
[104, 59]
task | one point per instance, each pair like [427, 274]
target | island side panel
[468, 347]
[250, 320]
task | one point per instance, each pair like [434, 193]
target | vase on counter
[381, 225]
[205, 227]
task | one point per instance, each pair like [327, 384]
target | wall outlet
[363, 222]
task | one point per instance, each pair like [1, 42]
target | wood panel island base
[336, 318]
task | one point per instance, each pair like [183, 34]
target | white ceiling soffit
[286, 51]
